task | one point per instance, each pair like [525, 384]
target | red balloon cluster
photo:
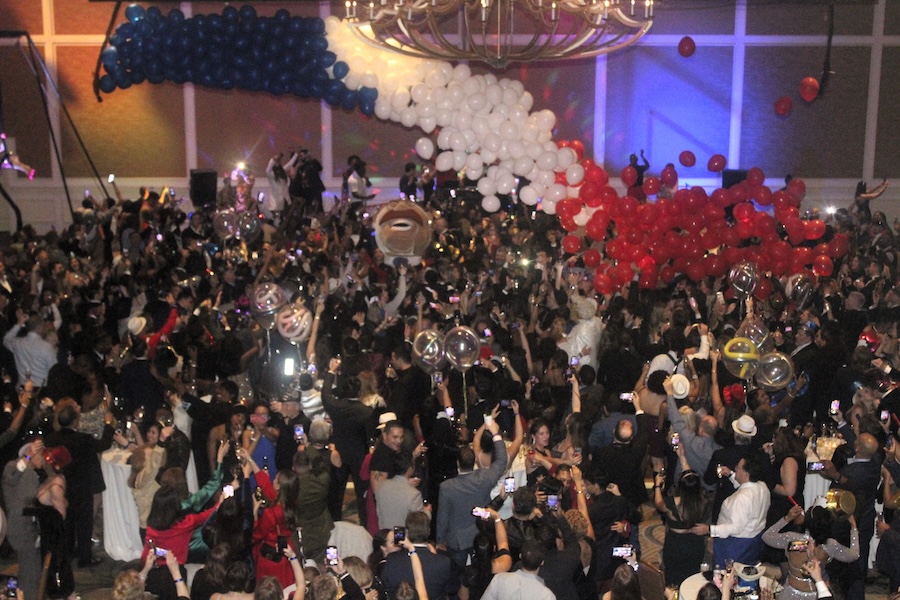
[689, 233]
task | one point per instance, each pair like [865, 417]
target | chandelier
[500, 32]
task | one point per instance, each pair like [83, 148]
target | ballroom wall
[647, 97]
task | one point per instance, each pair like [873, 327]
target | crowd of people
[528, 475]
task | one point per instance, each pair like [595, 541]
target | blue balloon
[316, 25]
[230, 13]
[134, 13]
[296, 25]
[109, 56]
[138, 76]
[350, 100]
[116, 40]
[153, 14]
[332, 99]
[248, 12]
[176, 16]
[125, 84]
[282, 16]
[367, 108]
[320, 44]
[214, 21]
[326, 59]
[316, 89]
[142, 28]
[107, 84]
[126, 30]
[340, 69]
[368, 95]
[155, 78]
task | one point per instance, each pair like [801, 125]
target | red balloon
[796, 231]
[755, 176]
[717, 163]
[651, 186]
[648, 279]
[578, 147]
[796, 189]
[592, 258]
[568, 223]
[629, 176]
[838, 245]
[809, 88]
[669, 176]
[568, 208]
[823, 266]
[589, 193]
[561, 178]
[715, 265]
[731, 237]
[763, 288]
[763, 195]
[608, 196]
[628, 206]
[814, 229]
[571, 244]
[742, 212]
[623, 272]
[603, 283]
[784, 106]
[595, 174]
[687, 158]
[596, 230]
[687, 47]
[695, 271]
[744, 229]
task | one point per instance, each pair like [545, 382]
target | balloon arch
[486, 126]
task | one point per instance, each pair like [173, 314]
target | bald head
[866, 446]
[624, 431]
[708, 426]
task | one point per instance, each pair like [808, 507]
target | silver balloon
[775, 371]
[798, 289]
[294, 323]
[265, 302]
[462, 346]
[744, 278]
[428, 350]
[756, 331]
[225, 224]
[249, 228]
[741, 357]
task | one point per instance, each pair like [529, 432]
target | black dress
[682, 552]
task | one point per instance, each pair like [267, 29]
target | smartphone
[574, 361]
[505, 403]
[627, 396]
[478, 294]
[111, 178]
[450, 412]
[12, 584]
[622, 551]
[160, 551]
[835, 406]
[87, 193]
[815, 466]
[885, 415]
[481, 513]
[788, 329]
[553, 502]
[454, 299]
[298, 432]
[577, 451]
[158, 237]
[509, 484]
[282, 543]
[172, 192]
[228, 491]
[676, 440]
[331, 556]
[798, 545]
[399, 534]
[488, 419]
[438, 378]
[487, 332]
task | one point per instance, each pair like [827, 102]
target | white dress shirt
[743, 514]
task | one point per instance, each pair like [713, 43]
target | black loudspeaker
[732, 177]
[203, 187]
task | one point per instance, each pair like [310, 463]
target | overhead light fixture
[500, 32]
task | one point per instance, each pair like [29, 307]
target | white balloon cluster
[486, 127]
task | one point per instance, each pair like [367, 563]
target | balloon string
[465, 398]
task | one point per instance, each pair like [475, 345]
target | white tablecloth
[121, 524]
[814, 486]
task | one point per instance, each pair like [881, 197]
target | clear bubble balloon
[265, 302]
[756, 331]
[744, 278]
[741, 357]
[294, 323]
[462, 346]
[249, 227]
[775, 371]
[225, 224]
[799, 288]
[428, 350]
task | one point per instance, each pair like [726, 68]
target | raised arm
[580, 500]
[513, 448]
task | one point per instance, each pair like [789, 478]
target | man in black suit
[805, 357]
[725, 460]
[351, 419]
[408, 386]
[456, 527]
[83, 478]
[861, 475]
[440, 572]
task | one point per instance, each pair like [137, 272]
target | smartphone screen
[510, 485]
[481, 513]
[885, 415]
[627, 396]
[676, 439]
[111, 178]
[228, 491]
[835, 406]
[450, 412]
[552, 501]
[298, 432]
[399, 534]
[160, 551]
[622, 551]
[488, 419]
[331, 555]
[487, 332]
[815, 466]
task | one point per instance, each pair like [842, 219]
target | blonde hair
[128, 586]
[359, 571]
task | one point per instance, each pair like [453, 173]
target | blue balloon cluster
[237, 49]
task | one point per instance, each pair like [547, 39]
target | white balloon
[425, 148]
[486, 186]
[494, 94]
[443, 138]
[490, 203]
[480, 126]
[408, 116]
[523, 166]
[473, 161]
[494, 120]
[528, 195]
[425, 109]
[444, 161]
[490, 79]
[582, 217]
[548, 145]
[457, 141]
[477, 102]
[534, 151]
[548, 206]
[518, 114]
[574, 174]
[400, 100]
[352, 81]
[546, 161]
[427, 124]
[475, 173]
[546, 178]
[370, 80]
[488, 156]
[539, 189]
[516, 149]
[462, 120]
[510, 96]
[566, 157]
[556, 192]
[459, 160]
[506, 184]
[517, 86]
[382, 109]
[492, 142]
[455, 92]
[444, 117]
[546, 120]
[526, 100]
[509, 130]
[461, 72]
[545, 137]
[471, 86]
[471, 140]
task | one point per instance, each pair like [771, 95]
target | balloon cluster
[235, 49]
[689, 233]
[269, 306]
[750, 353]
[244, 226]
[460, 346]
